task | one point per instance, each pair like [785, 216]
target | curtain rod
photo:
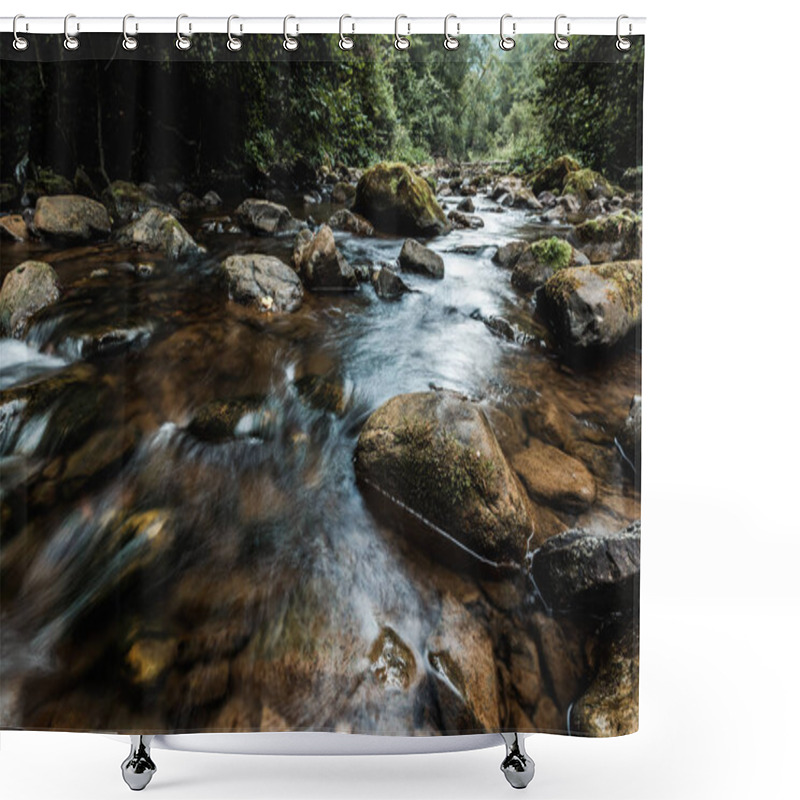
[407, 25]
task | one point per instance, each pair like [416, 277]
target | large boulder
[28, 288]
[158, 230]
[264, 216]
[320, 264]
[264, 282]
[593, 573]
[554, 478]
[72, 217]
[594, 307]
[615, 237]
[415, 257]
[396, 200]
[126, 201]
[552, 176]
[586, 185]
[436, 454]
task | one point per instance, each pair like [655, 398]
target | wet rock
[241, 417]
[461, 658]
[595, 307]
[27, 288]
[323, 392]
[435, 453]
[631, 179]
[610, 706]
[462, 220]
[344, 220]
[13, 228]
[594, 573]
[363, 272]
[211, 199]
[158, 230]
[388, 284]
[263, 282]
[264, 216]
[536, 265]
[552, 177]
[554, 478]
[415, 257]
[397, 201]
[557, 214]
[630, 435]
[320, 264]
[391, 660]
[343, 193]
[501, 326]
[616, 237]
[526, 199]
[126, 201]
[507, 255]
[71, 217]
[466, 205]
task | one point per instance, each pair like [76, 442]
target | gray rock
[320, 264]
[211, 199]
[27, 288]
[126, 202]
[264, 282]
[595, 573]
[388, 284]
[462, 220]
[264, 216]
[344, 220]
[415, 257]
[466, 205]
[158, 230]
[507, 255]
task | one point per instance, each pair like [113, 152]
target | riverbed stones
[388, 284]
[343, 193]
[593, 308]
[344, 220]
[320, 264]
[507, 255]
[465, 221]
[539, 262]
[265, 217]
[392, 661]
[586, 185]
[240, 417]
[262, 282]
[555, 479]
[71, 217]
[595, 573]
[27, 288]
[553, 175]
[415, 257]
[126, 201]
[466, 205]
[397, 201]
[159, 230]
[436, 454]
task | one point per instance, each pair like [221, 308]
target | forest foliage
[216, 115]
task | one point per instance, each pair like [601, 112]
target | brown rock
[27, 288]
[70, 216]
[13, 227]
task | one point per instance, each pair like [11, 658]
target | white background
[720, 602]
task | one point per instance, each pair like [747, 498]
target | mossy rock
[397, 201]
[436, 454]
[552, 177]
[593, 307]
[536, 265]
[586, 184]
[159, 230]
[631, 179]
[126, 202]
[615, 237]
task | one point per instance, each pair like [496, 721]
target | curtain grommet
[401, 42]
[345, 42]
[182, 42]
[290, 43]
[234, 43]
[560, 43]
[450, 42]
[623, 44]
[71, 42]
[128, 42]
[507, 42]
[20, 42]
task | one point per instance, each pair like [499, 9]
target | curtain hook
[20, 42]
[450, 42]
[345, 42]
[182, 42]
[401, 42]
[129, 42]
[560, 42]
[289, 42]
[623, 43]
[234, 42]
[507, 42]
[70, 42]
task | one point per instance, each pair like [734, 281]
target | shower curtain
[320, 385]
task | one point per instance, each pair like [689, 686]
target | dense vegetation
[212, 114]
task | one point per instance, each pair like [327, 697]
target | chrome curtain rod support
[71, 42]
[451, 42]
[234, 43]
[401, 42]
[507, 42]
[20, 42]
[128, 42]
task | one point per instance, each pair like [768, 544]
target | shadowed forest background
[320, 107]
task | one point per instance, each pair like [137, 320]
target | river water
[244, 560]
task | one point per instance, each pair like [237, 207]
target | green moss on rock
[553, 176]
[552, 252]
[587, 184]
